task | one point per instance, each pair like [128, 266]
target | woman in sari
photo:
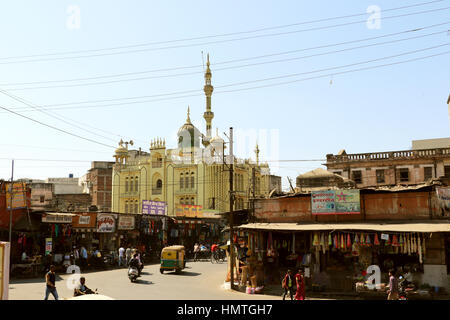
[300, 280]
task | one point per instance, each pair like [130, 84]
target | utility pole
[253, 192]
[232, 258]
[11, 201]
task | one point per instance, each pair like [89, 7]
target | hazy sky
[379, 109]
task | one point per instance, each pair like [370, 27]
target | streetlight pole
[232, 258]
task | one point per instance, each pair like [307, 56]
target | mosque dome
[188, 134]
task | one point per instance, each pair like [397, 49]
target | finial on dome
[188, 120]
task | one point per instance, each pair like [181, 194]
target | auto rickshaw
[173, 258]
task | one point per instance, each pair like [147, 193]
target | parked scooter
[402, 283]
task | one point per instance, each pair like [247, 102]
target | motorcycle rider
[135, 263]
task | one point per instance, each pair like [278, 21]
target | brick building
[99, 182]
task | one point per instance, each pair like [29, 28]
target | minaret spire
[208, 89]
[188, 120]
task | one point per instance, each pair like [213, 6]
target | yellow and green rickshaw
[173, 258]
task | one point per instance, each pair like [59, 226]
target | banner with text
[335, 202]
[154, 207]
[189, 211]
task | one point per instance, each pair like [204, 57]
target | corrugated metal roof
[441, 226]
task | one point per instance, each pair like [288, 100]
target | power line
[55, 128]
[280, 77]
[199, 72]
[212, 42]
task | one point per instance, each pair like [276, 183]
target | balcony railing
[392, 155]
[156, 190]
[157, 164]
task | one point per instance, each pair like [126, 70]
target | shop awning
[438, 226]
[60, 214]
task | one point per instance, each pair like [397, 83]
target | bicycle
[218, 256]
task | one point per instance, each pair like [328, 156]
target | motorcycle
[133, 273]
[401, 288]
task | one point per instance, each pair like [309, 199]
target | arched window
[181, 181]
[182, 201]
[192, 201]
[186, 180]
[126, 206]
[126, 184]
[131, 184]
[136, 207]
[136, 184]
[159, 184]
[192, 181]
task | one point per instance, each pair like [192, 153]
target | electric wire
[219, 41]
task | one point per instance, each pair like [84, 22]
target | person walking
[121, 256]
[393, 286]
[128, 254]
[84, 257]
[76, 255]
[50, 279]
[288, 285]
[300, 280]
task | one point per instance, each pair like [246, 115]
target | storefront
[57, 228]
[106, 235]
[336, 257]
[84, 227]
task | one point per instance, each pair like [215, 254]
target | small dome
[188, 134]
[121, 150]
[217, 139]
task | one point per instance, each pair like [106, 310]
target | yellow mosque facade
[194, 174]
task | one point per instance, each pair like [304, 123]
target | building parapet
[390, 155]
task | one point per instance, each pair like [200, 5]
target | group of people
[294, 285]
[126, 255]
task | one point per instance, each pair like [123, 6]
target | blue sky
[374, 110]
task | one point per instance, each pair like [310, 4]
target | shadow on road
[143, 282]
[146, 273]
[184, 273]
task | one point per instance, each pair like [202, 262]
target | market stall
[336, 257]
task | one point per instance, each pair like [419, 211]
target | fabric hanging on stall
[342, 242]
[420, 250]
[362, 239]
[356, 240]
[415, 245]
[409, 245]
[335, 244]
[368, 242]
[376, 242]
[316, 239]
[388, 241]
[424, 251]
[400, 242]
[349, 241]
[322, 243]
[330, 241]
[56, 230]
[394, 240]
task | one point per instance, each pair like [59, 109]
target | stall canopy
[438, 226]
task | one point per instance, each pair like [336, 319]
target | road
[199, 281]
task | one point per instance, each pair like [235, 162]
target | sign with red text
[106, 222]
[335, 202]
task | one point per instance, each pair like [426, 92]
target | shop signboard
[347, 201]
[189, 211]
[84, 220]
[106, 223]
[48, 246]
[443, 196]
[18, 196]
[57, 218]
[335, 202]
[126, 223]
[323, 202]
[154, 207]
[4, 270]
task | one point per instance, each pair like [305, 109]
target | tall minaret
[208, 88]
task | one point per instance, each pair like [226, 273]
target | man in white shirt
[122, 256]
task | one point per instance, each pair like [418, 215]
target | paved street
[199, 281]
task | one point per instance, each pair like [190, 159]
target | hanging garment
[330, 242]
[415, 250]
[322, 243]
[349, 241]
[375, 240]
[409, 245]
[368, 242]
[342, 242]
[362, 240]
[388, 241]
[335, 245]
[401, 240]
[56, 230]
[424, 251]
[356, 240]
[420, 250]
[316, 239]
[394, 240]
